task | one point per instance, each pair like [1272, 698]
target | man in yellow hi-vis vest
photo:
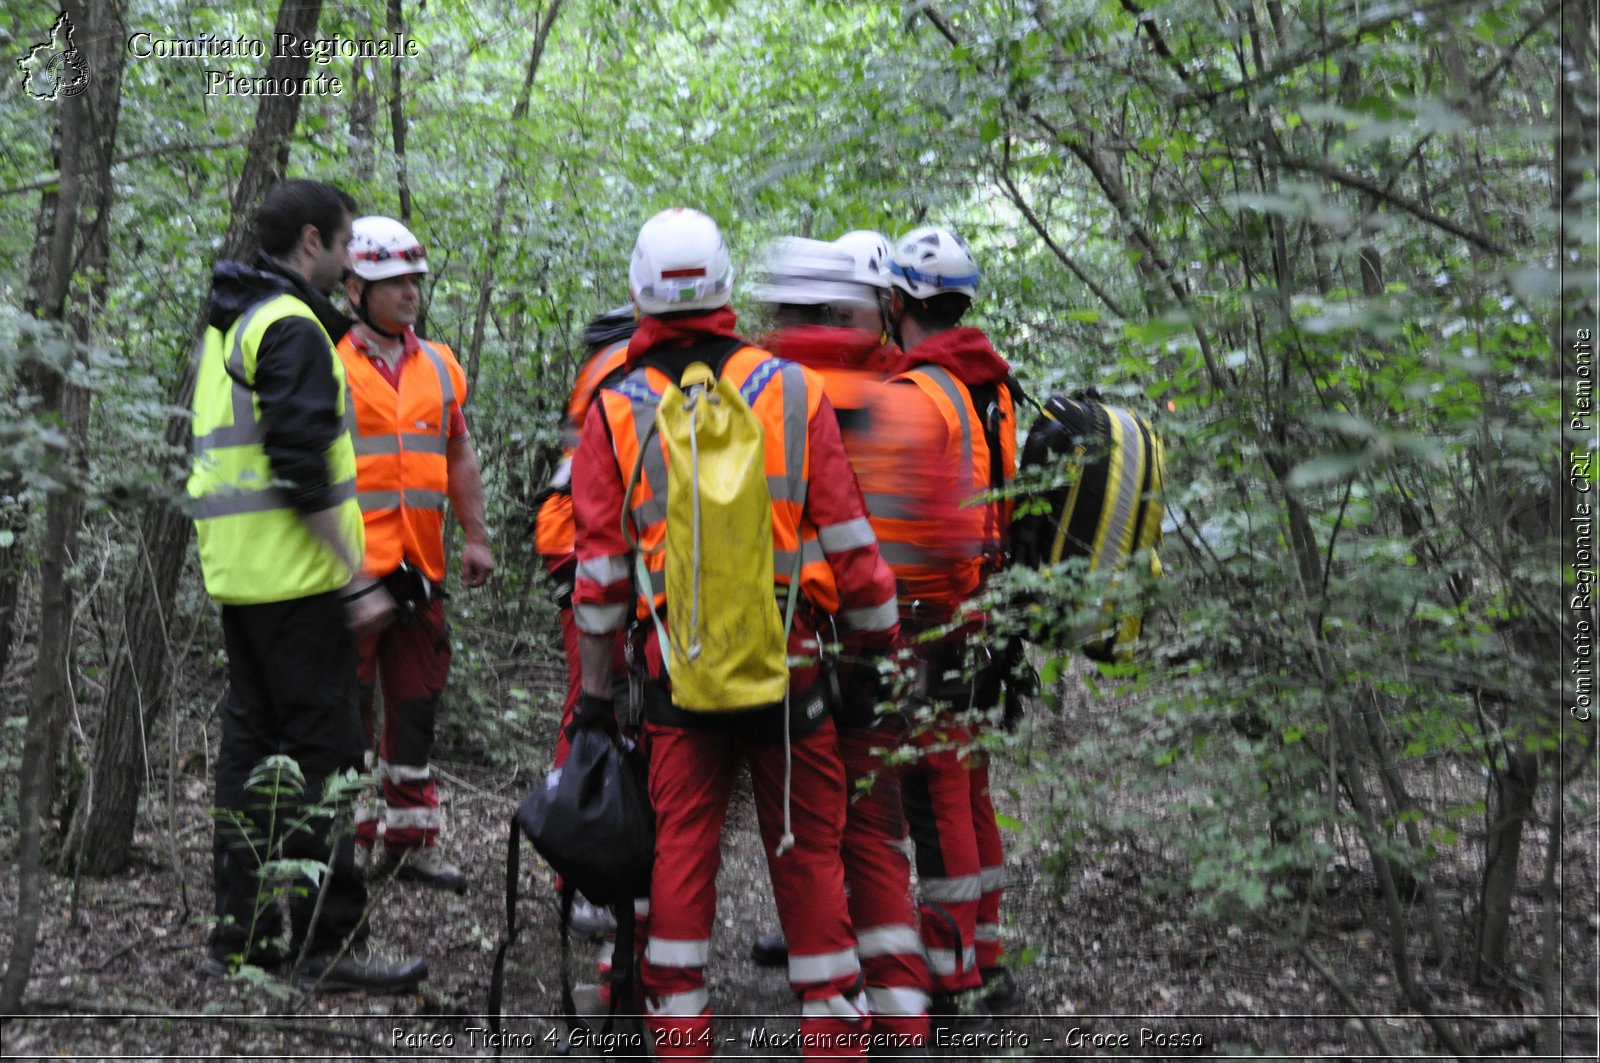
[272, 493]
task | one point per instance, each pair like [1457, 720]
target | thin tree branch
[1022, 205]
[1394, 199]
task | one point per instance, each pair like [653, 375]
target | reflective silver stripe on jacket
[606, 570]
[653, 473]
[599, 619]
[794, 432]
[945, 962]
[958, 399]
[952, 890]
[890, 940]
[783, 560]
[664, 952]
[896, 1000]
[873, 617]
[244, 431]
[232, 503]
[412, 818]
[679, 1005]
[416, 498]
[847, 535]
[887, 505]
[823, 966]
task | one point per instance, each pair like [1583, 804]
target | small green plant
[278, 810]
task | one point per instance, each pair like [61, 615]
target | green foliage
[1314, 242]
[279, 808]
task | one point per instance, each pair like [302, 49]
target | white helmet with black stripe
[871, 252]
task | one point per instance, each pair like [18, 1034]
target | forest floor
[1110, 965]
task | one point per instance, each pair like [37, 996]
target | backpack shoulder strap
[712, 350]
[497, 982]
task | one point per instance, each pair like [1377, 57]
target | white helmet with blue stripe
[932, 261]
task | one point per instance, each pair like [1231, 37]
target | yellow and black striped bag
[1104, 480]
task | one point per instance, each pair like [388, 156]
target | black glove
[1021, 684]
[593, 712]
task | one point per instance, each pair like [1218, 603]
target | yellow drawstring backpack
[727, 642]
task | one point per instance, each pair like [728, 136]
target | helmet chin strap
[892, 320]
[887, 328]
[366, 318]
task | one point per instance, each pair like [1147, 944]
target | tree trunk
[102, 829]
[1517, 785]
[363, 104]
[73, 224]
[502, 193]
[397, 114]
[397, 129]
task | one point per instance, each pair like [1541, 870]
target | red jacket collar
[679, 331]
[822, 347]
[966, 352]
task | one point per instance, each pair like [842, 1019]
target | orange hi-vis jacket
[553, 525]
[936, 529]
[816, 508]
[402, 443]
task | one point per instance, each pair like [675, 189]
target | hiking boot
[1001, 994]
[426, 865]
[959, 1013]
[223, 960]
[589, 1003]
[363, 966]
[590, 920]
[770, 949]
[593, 1011]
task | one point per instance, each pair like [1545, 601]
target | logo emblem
[55, 68]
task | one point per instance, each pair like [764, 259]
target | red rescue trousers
[569, 642]
[411, 658]
[878, 873]
[691, 778]
[959, 855]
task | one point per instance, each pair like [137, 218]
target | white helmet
[680, 263]
[797, 271]
[871, 252]
[381, 247]
[930, 261]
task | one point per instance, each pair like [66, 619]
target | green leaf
[1319, 472]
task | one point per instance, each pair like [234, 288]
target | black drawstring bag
[593, 824]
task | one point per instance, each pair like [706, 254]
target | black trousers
[291, 691]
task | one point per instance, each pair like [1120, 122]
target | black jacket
[294, 378]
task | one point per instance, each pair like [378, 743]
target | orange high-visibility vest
[784, 396]
[554, 534]
[402, 441]
[976, 541]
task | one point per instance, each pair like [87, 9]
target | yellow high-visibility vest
[254, 548]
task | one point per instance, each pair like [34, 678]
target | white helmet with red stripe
[931, 261]
[680, 263]
[381, 248]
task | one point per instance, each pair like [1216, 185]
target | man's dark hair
[937, 312]
[290, 206]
